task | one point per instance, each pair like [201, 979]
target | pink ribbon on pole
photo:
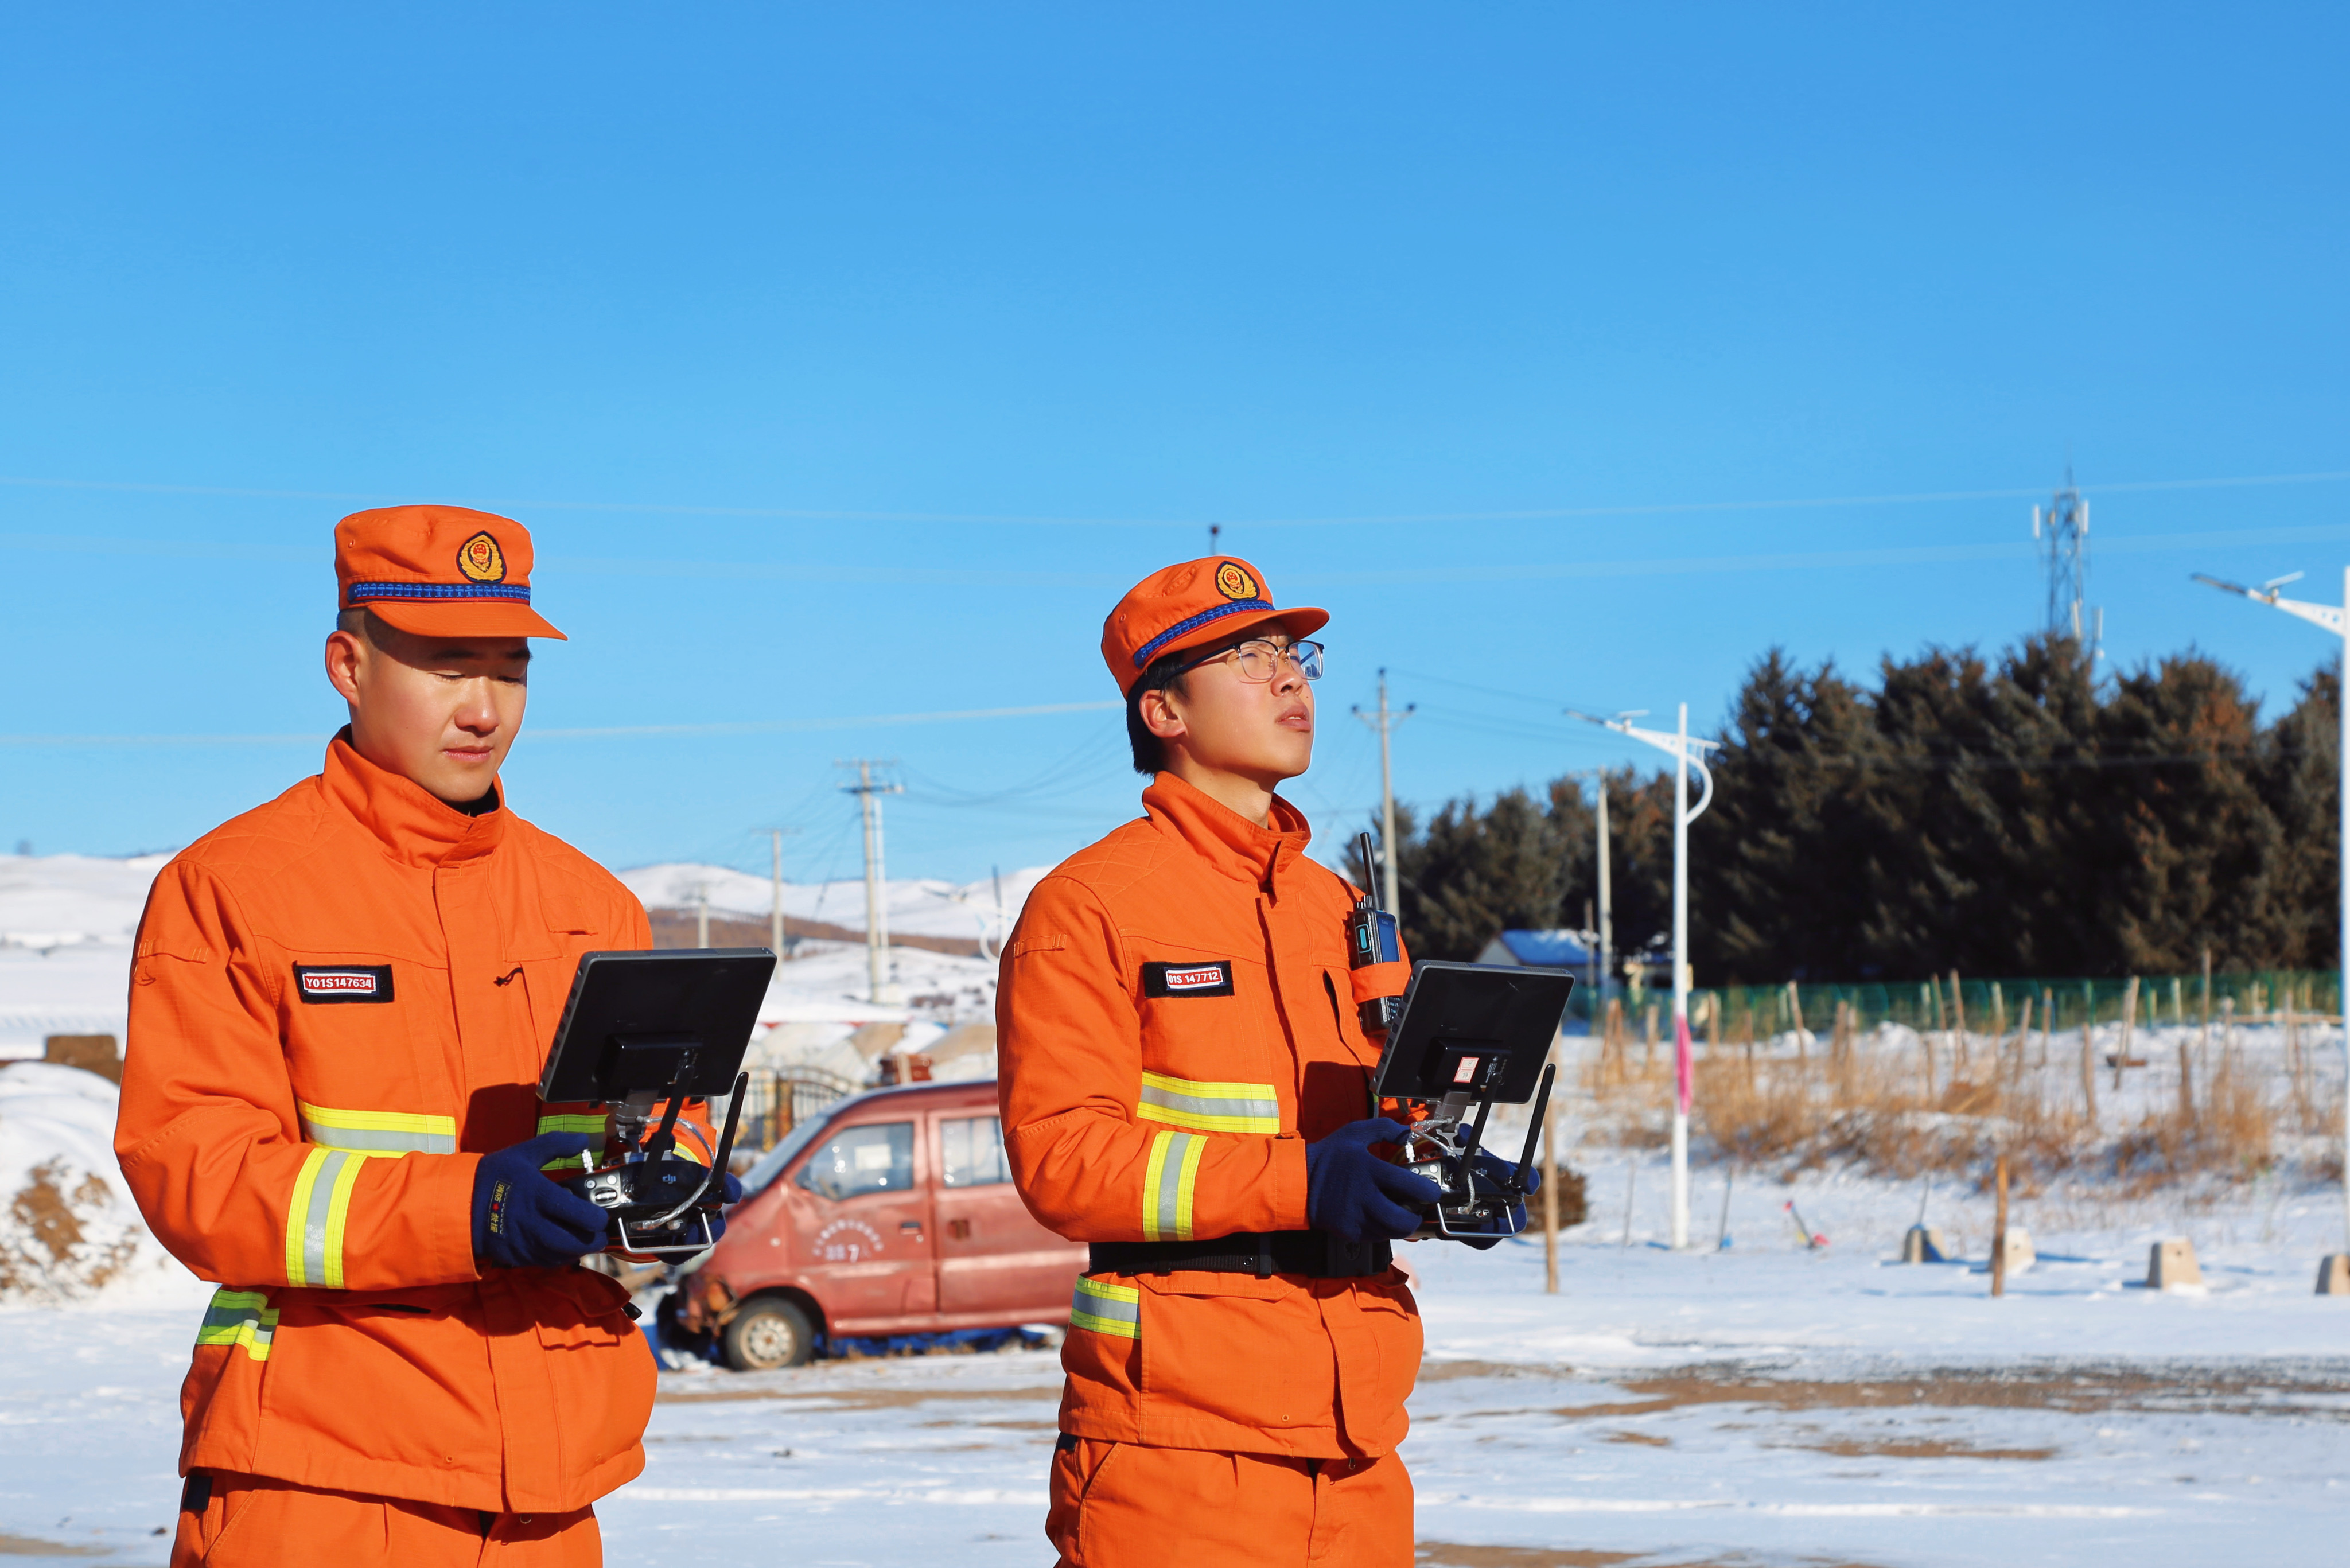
[1682, 1071]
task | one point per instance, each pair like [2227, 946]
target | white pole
[1606, 914]
[1681, 1066]
[2342, 868]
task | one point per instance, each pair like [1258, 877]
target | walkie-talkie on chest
[1371, 938]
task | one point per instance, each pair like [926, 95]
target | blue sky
[850, 362]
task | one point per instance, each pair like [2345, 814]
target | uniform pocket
[1246, 1350]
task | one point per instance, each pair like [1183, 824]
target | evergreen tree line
[2010, 816]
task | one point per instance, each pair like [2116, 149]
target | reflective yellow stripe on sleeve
[1167, 1186]
[571, 1122]
[316, 1214]
[1209, 1107]
[242, 1318]
[378, 1132]
[1106, 1308]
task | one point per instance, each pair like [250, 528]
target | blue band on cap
[362, 592]
[1142, 654]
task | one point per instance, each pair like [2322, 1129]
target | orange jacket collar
[415, 825]
[1227, 841]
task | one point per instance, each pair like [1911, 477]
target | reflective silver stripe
[1239, 1108]
[239, 1318]
[315, 1217]
[378, 1132]
[1170, 1187]
[379, 1140]
[1107, 1309]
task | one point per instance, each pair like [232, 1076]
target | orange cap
[438, 571]
[1189, 606]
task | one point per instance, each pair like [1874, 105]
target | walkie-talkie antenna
[1370, 867]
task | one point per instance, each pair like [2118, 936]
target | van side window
[973, 1154]
[878, 1157]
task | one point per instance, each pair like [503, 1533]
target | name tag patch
[1187, 979]
[326, 982]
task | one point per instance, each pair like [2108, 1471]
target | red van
[891, 1212]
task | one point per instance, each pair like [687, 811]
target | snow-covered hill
[914, 906]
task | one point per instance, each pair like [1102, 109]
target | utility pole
[876, 920]
[1384, 722]
[701, 915]
[2335, 619]
[1687, 752]
[776, 923]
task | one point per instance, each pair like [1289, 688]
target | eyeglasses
[1260, 659]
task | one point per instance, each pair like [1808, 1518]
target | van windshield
[771, 1164]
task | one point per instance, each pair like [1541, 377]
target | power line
[614, 731]
[1522, 515]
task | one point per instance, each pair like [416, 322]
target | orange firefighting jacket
[1176, 1020]
[339, 1001]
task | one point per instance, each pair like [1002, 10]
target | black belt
[1317, 1254]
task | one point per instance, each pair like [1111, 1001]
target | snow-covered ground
[1770, 1403]
[1766, 1405]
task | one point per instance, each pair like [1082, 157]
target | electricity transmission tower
[2064, 531]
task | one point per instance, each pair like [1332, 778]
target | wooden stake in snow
[2129, 1024]
[2089, 1074]
[1550, 1196]
[1795, 1007]
[2022, 1039]
[1999, 1233]
[1958, 1027]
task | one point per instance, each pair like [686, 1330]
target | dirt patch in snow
[1458, 1554]
[28, 1546]
[851, 1399]
[46, 1251]
[2320, 1392]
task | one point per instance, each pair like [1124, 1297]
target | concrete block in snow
[2171, 1264]
[2019, 1251]
[1923, 1244]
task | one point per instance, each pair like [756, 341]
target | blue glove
[718, 1218]
[1353, 1193]
[1491, 1167]
[524, 1219]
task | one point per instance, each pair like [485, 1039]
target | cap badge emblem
[481, 560]
[1233, 582]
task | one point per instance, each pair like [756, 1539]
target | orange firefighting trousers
[249, 1522]
[1125, 1505]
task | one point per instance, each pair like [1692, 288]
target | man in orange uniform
[1185, 1085]
[340, 1005]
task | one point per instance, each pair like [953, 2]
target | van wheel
[769, 1334]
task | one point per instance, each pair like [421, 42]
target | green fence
[1987, 1005]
